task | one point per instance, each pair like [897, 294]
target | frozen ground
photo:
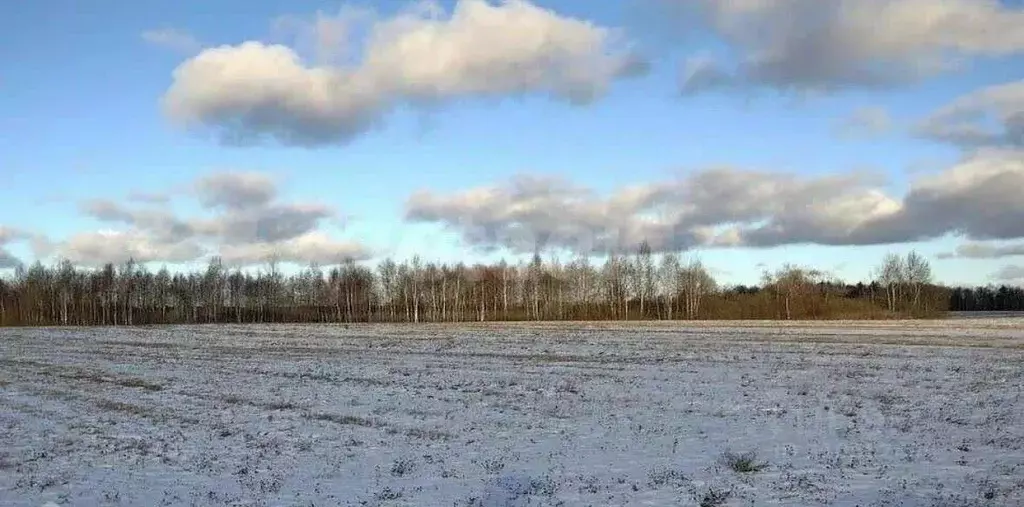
[866, 414]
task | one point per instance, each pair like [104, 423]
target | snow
[839, 413]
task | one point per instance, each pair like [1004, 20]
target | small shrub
[568, 385]
[137, 382]
[714, 498]
[744, 463]
[232, 399]
[661, 477]
[351, 420]
[428, 434]
[389, 494]
[280, 405]
[402, 466]
[542, 486]
[271, 485]
[128, 408]
[493, 466]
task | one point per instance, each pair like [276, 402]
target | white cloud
[244, 222]
[98, 248]
[985, 251]
[481, 48]
[159, 222]
[977, 198]
[329, 38]
[253, 91]
[717, 207]
[271, 223]
[824, 45]
[312, 247]
[173, 39]
[9, 235]
[1010, 273]
[8, 260]
[235, 190]
[993, 116]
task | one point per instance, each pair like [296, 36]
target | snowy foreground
[922, 413]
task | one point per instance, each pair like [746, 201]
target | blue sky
[87, 122]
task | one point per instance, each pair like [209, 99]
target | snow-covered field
[838, 413]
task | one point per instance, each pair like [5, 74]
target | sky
[748, 133]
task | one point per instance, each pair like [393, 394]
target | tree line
[1003, 298]
[634, 286]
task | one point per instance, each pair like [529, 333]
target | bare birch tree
[695, 282]
[917, 274]
[668, 282]
[890, 275]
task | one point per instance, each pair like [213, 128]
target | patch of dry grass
[127, 408]
[346, 419]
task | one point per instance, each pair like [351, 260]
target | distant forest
[637, 286]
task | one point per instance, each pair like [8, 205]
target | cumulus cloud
[9, 235]
[173, 39]
[98, 248]
[514, 47]
[236, 190]
[149, 236]
[984, 251]
[245, 223]
[269, 224]
[719, 207]
[827, 45]
[8, 260]
[107, 211]
[254, 92]
[312, 247]
[160, 223]
[1010, 273]
[329, 38]
[865, 122]
[977, 198]
[992, 116]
